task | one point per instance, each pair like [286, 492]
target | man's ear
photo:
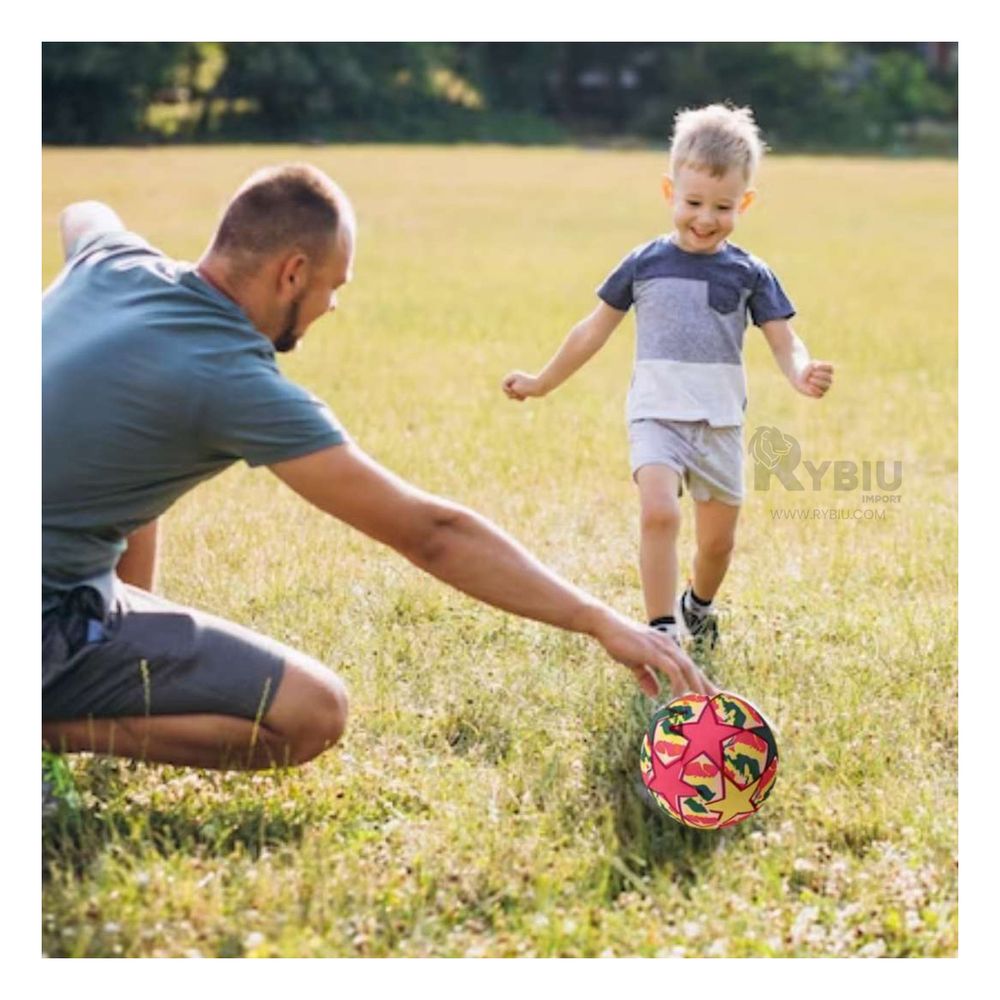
[747, 200]
[668, 187]
[293, 274]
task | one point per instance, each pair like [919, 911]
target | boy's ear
[747, 200]
[668, 187]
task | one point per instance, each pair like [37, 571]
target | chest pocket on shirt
[724, 296]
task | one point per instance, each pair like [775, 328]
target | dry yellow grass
[483, 801]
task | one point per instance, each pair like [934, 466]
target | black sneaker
[701, 625]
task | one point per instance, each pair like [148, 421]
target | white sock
[693, 607]
[670, 628]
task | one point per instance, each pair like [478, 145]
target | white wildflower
[874, 949]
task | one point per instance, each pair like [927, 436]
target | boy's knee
[661, 515]
[717, 548]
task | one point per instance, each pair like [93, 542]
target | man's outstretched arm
[86, 218]
[468, 552]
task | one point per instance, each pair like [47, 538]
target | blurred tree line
[807, 95]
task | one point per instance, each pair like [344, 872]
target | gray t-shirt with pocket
[152, 381]
[691, 314]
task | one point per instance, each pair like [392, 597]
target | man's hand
[814, 379]
[521, 385]
[644, 651]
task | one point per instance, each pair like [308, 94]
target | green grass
[484, 799]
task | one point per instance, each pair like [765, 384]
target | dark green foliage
[819, 95]
[302, 88]
[97, 92]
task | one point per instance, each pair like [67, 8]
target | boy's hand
[521, 385]
[814, 379]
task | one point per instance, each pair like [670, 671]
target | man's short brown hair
[292, 206]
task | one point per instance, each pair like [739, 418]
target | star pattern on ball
[669, 784]
[706, 735]
[735, 801]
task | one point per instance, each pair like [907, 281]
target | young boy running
[692, 291]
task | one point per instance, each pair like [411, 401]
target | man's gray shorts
[708, 459]
[147, 656]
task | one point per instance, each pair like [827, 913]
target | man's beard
[288, 338]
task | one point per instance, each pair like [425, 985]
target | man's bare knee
[326, 724]
[312, 713]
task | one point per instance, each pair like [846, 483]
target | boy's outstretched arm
[580, 345]
[811, 378]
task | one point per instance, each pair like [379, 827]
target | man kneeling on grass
[157, 375]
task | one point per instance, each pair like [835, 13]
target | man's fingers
[646, 680]
[680, 669]
[647, 653]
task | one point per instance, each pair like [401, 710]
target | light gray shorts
[148, 656]
[708, 459]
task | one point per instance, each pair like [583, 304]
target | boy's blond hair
[716, 138]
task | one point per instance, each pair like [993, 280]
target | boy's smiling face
[705, 207]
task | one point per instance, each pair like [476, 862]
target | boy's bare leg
[660, 519]
[307, 716]
[715, 534]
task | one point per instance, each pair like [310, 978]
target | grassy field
[484, 800]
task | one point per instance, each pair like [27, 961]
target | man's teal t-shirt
[152, 381]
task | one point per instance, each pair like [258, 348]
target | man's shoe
[701, 623]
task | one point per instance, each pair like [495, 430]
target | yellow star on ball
[735, 801]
